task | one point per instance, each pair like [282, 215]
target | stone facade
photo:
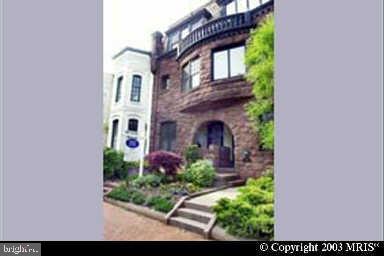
[221, 100]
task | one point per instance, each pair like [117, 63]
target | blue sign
[132, 143]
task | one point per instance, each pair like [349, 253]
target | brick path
[120, 224]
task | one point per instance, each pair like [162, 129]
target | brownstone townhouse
[200, 91]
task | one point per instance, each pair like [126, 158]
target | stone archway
[216, 142]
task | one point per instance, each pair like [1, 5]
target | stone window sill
[228, 80]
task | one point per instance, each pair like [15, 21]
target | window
[231, 8]
[133, 125]
[136, 88]
[173, 41]
[228, 63]
[191, 75]
[115, 127]
[242, 5]
[168, 136]
[165, 82]
[255, 3]
[197, 24]
[118, 88]
[184, 32]
[239, 6]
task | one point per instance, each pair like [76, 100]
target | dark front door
[215, 134]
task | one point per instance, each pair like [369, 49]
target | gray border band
[329, 94]
[53, 122]
[1, 123]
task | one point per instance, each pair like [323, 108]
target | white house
[130, 102]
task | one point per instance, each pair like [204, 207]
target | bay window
[191, 75]
[118, 88]
[114, 135]
[136, 88]
[228, 63]
[239, 6]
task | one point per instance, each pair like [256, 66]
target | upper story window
[228, 63]
[115, 127]
[133, 125]
[173, 40]
[118, 88]
[165, 82]
[175, 37]
[185, 32]
[136, 88]
[238, 6]
[191, 75]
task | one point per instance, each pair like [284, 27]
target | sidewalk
[124, 225]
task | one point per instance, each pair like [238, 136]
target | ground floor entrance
[216, 142]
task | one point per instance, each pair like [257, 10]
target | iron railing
[221, 25]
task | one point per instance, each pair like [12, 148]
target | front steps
[194, 217]
[228, 178]
[198, 217]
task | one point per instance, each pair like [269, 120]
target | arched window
[115, 129]
[133, 125]
[168, 136]
[136, 88]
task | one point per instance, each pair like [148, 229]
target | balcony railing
[221, 25]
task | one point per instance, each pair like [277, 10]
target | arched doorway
[216, 141]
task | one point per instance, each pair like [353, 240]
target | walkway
[123, 225]
[210, 199]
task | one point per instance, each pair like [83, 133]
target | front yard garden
[165, 182]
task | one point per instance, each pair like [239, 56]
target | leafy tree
[259, 59]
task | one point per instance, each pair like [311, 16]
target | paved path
[122, 225]
[210, 199]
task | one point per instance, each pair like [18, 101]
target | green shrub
[192, 154]
[160, 203]
[125, 194]
[259, 59]
[266, 131]
[192, 188]
[251, 213]
[201, 173]
[148, 180]
[113, 163]
[131, 178]
[121, 193]
[138, 197]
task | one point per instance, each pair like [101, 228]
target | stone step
[193, 214]
[238, 182]
[188, 224]
[226, 176]
[225, 170]
[111, 184]
[106, 190]
[199, 207]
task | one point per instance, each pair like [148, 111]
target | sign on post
[132, 143]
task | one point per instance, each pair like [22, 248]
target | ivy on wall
[259, 59]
